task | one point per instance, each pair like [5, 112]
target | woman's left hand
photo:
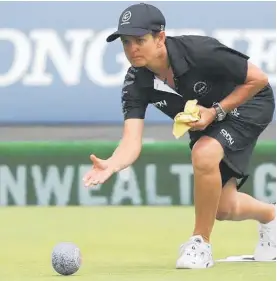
[207, 116]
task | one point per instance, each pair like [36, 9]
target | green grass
[120, 243]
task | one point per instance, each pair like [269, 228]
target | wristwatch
[220, 113]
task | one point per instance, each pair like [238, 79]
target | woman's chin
[138, 63]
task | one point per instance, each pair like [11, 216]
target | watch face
[221, 116]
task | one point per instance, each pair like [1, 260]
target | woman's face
[141, 51]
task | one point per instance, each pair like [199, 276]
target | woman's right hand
[100, 172]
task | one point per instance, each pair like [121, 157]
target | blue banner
[56, 66]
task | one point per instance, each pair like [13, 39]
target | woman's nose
[133, 47]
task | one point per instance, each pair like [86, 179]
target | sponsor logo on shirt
[160, 104]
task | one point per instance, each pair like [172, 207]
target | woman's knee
[206, 153]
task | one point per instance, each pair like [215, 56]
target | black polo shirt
[203, 68]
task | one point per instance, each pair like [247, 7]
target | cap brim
[128, 31]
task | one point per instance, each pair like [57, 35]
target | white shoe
[266, 247]
[195, 254]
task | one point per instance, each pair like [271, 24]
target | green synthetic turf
[120, 243]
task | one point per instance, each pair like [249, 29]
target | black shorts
[238, 134]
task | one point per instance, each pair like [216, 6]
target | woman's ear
[161, 38]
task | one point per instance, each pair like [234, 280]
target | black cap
[138, 20]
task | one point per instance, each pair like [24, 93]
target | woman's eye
[140, 41]
[125, 42]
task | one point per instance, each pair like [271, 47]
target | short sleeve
[218, 59]
[133, 102]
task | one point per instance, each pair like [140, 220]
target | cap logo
[126, 17]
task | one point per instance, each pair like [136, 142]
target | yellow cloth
[191, 113]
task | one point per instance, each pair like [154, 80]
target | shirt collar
[176, 55]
